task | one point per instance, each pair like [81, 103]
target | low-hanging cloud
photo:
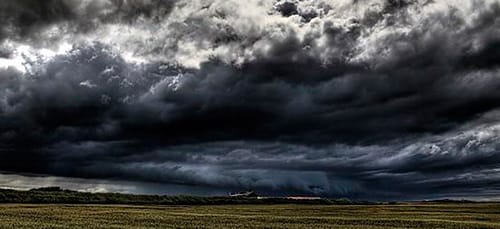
[365, 99]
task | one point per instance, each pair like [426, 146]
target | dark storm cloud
[26, 19]
[26, 16]
[366, 99]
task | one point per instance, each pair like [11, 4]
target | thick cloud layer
[365, 99]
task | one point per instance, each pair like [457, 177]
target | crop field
[467, 216]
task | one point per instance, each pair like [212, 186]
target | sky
[364, 99]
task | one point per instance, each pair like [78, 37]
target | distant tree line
[58, 195]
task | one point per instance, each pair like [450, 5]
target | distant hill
[58, 195]
[449, 201]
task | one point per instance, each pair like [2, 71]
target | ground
[466, 216]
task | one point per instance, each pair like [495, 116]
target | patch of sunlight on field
[466, 216]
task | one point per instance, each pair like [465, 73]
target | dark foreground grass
[467, 216]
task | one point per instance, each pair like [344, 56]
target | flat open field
[465, 216]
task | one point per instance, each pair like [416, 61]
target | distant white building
[303, 198]
[249, 193]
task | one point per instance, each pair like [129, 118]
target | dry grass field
[466, 216]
